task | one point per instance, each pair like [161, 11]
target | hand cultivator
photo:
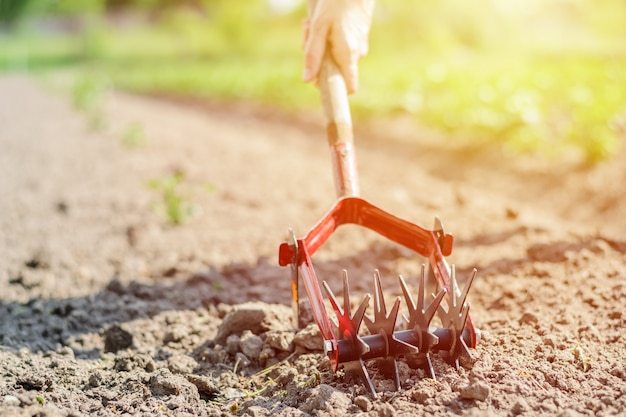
[344, 342]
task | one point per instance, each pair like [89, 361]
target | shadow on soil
[47, 324]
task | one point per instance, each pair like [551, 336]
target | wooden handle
[334, 96]
[339, 133]
[336, 107]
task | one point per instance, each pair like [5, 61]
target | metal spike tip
[455, 318]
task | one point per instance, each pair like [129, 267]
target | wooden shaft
[335, 104]
[339, 133]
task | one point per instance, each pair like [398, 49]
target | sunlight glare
[283, 6]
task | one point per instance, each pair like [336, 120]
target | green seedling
[88, 94]
[236, 365]
[312, 381]
[134, 136]
[176, 193]
[265, 371]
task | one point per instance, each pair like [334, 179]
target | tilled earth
[107, 308]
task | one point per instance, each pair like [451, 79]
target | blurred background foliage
[538, 75]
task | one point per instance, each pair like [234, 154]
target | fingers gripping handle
[336, 107]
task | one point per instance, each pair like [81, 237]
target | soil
[107, 308]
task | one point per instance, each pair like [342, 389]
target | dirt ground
[106, 308]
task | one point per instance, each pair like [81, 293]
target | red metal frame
[433, 245]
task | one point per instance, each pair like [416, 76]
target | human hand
[344, 25]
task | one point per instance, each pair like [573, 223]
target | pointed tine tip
[360, 316]
[439, 297]
[376, 273]
[421, 287]
[377, 283]
[291, 239]
[468, 285]
[395, 309]
[333, 302]
[376, 278]
[465, 350]
[431, 368]
[344, 278]
[327, 288]
[429, 312]
[422, 281]
[473, 275]
[407, 295]
[331, 296]
[346, 293]
[360, 312]
[379, 300]
[438, 224]
[367, 380]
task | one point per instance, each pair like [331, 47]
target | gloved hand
[344, 25]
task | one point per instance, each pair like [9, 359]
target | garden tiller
[344, 342]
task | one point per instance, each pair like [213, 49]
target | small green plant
[41, 400]
[134, 136]
[312, 381]
[88, 94]
[176, 192]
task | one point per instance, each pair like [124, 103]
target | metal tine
[347, 323]
[384, 324]
[346, 297]
[456, 317]
[348, 328]
[357, 369]
[418, 315]
[465, 312]
[467, 287]
[419, 320]
[382, 320]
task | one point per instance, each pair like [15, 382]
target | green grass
[28, 52]
[538, 77]
[547, 103]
